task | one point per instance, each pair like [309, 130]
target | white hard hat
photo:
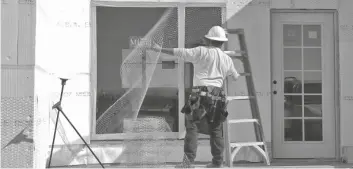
[217, 33]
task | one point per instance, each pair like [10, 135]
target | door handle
[275, 92]
[275, 82]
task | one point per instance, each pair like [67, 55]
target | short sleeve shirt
[211, 65]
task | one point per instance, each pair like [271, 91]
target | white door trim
[336, 73]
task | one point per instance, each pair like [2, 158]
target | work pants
[216, 140]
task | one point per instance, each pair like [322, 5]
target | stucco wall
[346, 80]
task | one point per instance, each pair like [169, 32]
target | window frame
[180, 5]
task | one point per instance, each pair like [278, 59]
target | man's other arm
[233, 72]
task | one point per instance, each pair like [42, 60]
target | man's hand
[189, 116]
[156, 47]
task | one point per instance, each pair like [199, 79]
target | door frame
[180, 5]
[336, 73]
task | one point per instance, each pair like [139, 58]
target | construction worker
[207, 101]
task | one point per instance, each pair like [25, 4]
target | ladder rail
[250, 87]
[226, 127]
[252, 90]
[252, 101]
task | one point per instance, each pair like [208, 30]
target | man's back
[211, 65]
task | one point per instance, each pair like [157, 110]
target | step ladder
[231, 149]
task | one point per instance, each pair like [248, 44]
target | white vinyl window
[117, 28]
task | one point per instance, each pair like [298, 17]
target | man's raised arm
[157, 48]
[190, 55]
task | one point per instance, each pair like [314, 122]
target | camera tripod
[57, 106]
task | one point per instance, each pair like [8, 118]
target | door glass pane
[292, 82]
[312, 35]
[292, 106]
[313, 106]
[312, 82]
[313, 129]
[292, 58]
[119, 32]
[293, 130]
[312, 58]
[302, 65]
[292, 35]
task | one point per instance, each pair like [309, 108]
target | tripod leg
[52, 145]
[82, 139]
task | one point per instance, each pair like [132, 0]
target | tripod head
[63, 81]
[58, 104]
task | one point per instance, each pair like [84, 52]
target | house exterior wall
[17, 82]
[255, 19]
[63, 38]
[346, 82]
[62, 47]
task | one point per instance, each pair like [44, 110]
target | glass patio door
[303, 73]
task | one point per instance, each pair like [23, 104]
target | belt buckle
[203, 93]
[216, 97]
[195, 90]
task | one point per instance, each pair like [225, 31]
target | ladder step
[230, 98]
[235, 31]
[246, 144]
[243, 121]
[259, 144]
[245, 74]
[235, 53]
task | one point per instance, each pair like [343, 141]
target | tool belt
[206, 102]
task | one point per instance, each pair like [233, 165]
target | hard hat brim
[217, 38]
